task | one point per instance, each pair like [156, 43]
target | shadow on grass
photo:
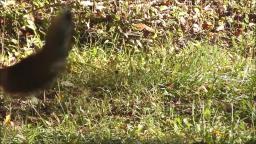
[61, 99]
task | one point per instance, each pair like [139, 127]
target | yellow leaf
[7, 120]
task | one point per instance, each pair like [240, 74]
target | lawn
[139, 72]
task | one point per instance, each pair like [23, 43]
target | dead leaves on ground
[146, 22]
[188, 20]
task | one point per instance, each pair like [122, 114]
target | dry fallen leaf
[141, 26]
[207, 26]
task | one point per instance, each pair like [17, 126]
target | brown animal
[38, 70]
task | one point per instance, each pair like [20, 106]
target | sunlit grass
[162, 87]
[203, 93]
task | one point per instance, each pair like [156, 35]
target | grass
[137, 90]
[203, 93]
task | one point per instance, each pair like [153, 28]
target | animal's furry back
[38, 70]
